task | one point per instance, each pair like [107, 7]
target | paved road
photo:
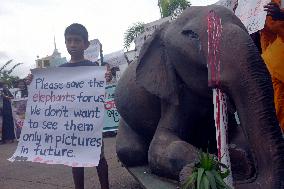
[26, 175]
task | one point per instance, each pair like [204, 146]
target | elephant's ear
[154, 71]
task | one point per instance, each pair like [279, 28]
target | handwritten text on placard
[64, 118]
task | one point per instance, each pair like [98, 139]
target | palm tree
[131, 33]
[5, 75]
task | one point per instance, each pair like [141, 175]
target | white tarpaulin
[149, 29]
[252, 14]
[230, 4]
[93, 51]
[64, 117]
[115, 59]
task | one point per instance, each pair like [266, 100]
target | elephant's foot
[242, 165]
[131, 149]
[167, 157]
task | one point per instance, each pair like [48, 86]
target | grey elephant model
[167, 106]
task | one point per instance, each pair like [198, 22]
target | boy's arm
[108, 76]
[274, 11]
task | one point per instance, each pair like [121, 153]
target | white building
[53, 60]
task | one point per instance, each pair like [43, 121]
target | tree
[131, 33]
[169, 7]
[5, 74]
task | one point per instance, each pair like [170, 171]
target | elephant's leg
[131, 148]
[168, 154]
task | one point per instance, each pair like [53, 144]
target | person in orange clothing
[272, 47]
[270, 44]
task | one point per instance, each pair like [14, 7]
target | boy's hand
[108, 76]
[274, 11]
[29, 79]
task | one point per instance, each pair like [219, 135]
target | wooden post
[101, 54]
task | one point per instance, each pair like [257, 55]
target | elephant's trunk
[258, 118]
[250, 87]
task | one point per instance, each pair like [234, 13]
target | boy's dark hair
[77, 29]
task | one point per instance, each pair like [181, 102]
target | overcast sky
[29, 26]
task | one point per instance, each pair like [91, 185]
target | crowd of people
[8, 132]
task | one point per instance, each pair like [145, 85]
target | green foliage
[168, 7]
[131, 33]
[5, 65]
[6, 76]
[207, 174]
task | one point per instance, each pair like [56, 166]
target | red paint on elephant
[214, 37]
[219, 98]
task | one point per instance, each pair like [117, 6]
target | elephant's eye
[190, 33]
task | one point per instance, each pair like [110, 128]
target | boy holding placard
[76, 40]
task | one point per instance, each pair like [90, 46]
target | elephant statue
[166, 102]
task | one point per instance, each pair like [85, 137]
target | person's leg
[78, 177]
[4, 124]
[102, 170]
[279, 100]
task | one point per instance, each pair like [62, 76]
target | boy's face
[75, 45]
